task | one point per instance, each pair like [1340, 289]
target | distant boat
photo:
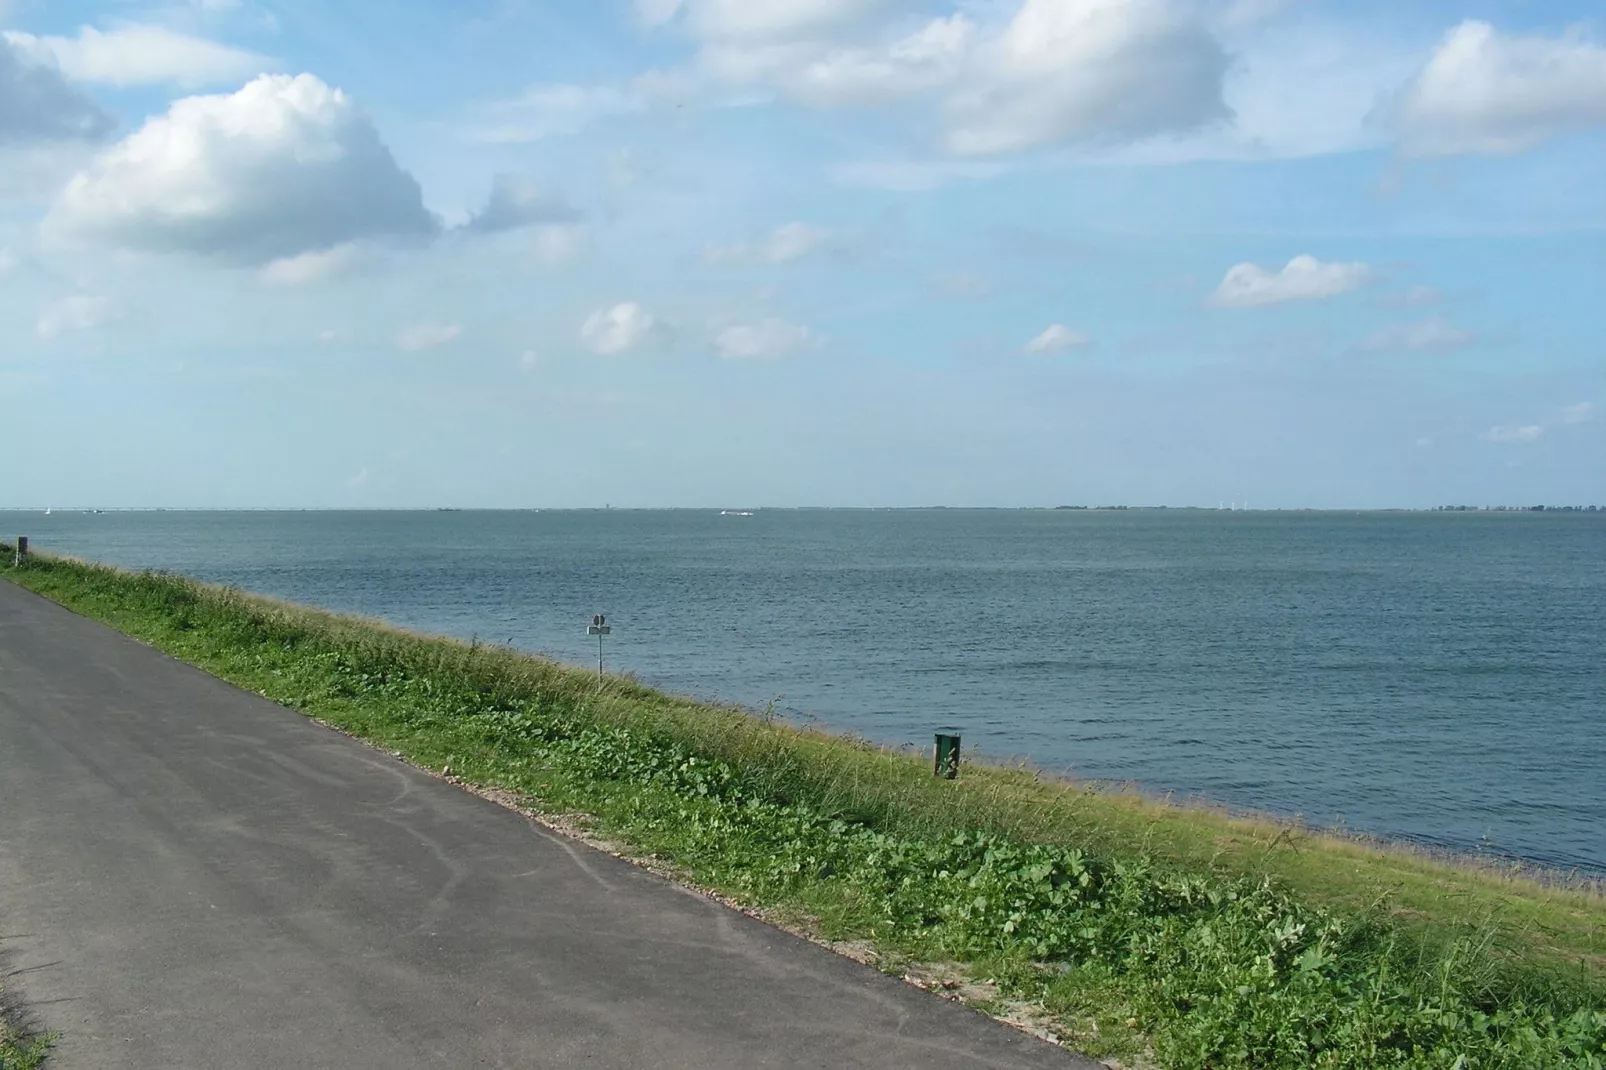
[734, 512]
[47, 510]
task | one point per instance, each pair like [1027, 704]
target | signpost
[599, 628]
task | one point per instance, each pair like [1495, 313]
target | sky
[736, 253]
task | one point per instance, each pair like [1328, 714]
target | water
[1438, 677]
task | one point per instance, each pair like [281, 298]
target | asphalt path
[191, 876]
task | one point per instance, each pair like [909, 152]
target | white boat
[734, 512]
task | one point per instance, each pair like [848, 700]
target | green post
[946, 764]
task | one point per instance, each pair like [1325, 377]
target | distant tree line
[1519, 508]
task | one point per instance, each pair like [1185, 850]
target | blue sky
[802, 252]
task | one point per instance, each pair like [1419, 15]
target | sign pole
[599, 628]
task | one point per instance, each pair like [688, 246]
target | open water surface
[1437, 677]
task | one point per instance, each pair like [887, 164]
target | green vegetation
[1142, 931]
[18, 1050]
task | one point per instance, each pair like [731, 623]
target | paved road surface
[194, 877]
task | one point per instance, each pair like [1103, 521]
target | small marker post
[599, 628]
[946, 761]
[22, 550]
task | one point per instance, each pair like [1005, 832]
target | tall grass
[1201, 940]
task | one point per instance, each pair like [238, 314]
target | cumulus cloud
[619, 329]
[81, 312]
[1581, 413]
[1431, 334]
[1304, 278]
[1491, 93]
[1056, 338]
[145, 55]
[1075, 70]
[1054, 72]
[316, 266]
[517, 202]
[422, 336]
[38, 104]
[768, 339]
[1511, 434]
[284, 166]
[793, 241]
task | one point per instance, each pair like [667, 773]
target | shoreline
[614, 759]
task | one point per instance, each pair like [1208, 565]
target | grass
[1127, 927]
[19, 1050]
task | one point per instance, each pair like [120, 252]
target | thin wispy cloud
[1057, 338]
[422, 336]
[1430, 335]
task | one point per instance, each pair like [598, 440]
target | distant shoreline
[80, 510]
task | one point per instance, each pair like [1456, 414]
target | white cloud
[146, 55]
[1056, 72]
[316, 266]
[1304, 278]
[1056, 338]
[81, 312]
[657, 12]
[38, 104]
[422, 336]
[560, 243]
[793, 241]
[1081, 70]
[925, 60]
[548, 110]
[284, 166]
[1434, 333]
[1494, 94]
[516, 202]
[618, 329]
[359, 479]
[768, 339]
[1509, 434]
[759, 19]
[1581, 413]
[529, 360]
[330, 335]
[1415, 297]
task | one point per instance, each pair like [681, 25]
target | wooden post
[22, 549]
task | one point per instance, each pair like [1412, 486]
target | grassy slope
[1220, 941]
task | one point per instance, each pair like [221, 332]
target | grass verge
[1141, 931]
